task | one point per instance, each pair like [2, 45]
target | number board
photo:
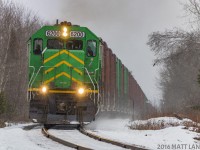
[53, 33]
[74, 34]
[78, 34]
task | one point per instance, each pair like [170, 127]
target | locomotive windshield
[74, 45]
[55, 44]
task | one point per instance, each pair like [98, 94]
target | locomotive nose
[63, 67]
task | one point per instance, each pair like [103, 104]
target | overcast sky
[123, 24]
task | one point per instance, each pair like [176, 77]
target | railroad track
[61, 141]
[79, 147]
[30, 127]
[123, 145]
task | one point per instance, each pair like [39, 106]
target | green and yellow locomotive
[63, 72]
[73, 75]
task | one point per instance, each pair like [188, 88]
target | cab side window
[91, 48]
[37, 50]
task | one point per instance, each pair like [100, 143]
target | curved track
[77, 146]
[61, 141]
[123, 145]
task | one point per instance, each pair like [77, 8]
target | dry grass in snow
[164, 122]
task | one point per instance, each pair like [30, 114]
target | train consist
[73, 76]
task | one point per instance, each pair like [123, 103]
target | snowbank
[160, 123]
[171, 137]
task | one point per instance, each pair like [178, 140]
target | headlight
[81, 91]
[64, 32]
[44, 89]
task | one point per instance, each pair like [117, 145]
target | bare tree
[178, 52]
[16, 26]
[192, 9]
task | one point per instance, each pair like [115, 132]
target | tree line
[178, 54]
[16, 26]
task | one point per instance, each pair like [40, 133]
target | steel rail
[96, 137]
[30, 127]
[123, 145]
[63, 142]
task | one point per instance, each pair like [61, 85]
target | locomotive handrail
[44, 50]
[90, 93]
[35, 78]
[30, 82]
[91, 81]
[32, 74]
[97, 89]
[36, 75]
[96, 80]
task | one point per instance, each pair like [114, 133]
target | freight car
[73, 75]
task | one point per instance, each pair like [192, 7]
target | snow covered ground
[170, 137]
[174, 138]
[15, 138]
